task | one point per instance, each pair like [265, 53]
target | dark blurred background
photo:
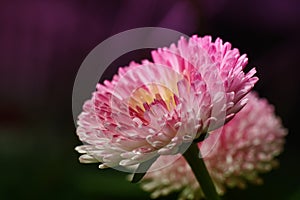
[43, 43]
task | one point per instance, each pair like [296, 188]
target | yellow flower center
[148, 94]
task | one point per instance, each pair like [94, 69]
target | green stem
[193, 157]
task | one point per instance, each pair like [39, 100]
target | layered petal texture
[157, 108]
[247, 146]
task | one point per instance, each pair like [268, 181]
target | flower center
[143, 97]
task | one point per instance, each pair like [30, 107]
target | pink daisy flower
[151, 109]
[246, 147]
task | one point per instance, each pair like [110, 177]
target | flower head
[246, 147]
[151, 109]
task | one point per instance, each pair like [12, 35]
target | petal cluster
[151, 109]
[247, 146]
[216, 66]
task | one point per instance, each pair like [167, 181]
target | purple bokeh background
[42, 45]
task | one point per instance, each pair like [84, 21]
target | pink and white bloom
[151, 109]
[246, 147]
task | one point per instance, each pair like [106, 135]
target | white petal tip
[103, 166]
